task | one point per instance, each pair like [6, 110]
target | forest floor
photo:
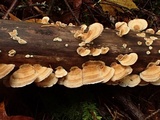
[92, 102]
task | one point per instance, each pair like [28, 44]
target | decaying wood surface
[47, 52]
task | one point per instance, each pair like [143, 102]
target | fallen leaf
[3, 114]
[124, 3]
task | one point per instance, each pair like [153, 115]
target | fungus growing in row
[120, 71]
[150, 31]
[95, 51]
[156, 82]
[104, 50]
[42, 72]
[151, 73]
[127, 59]
[94, 31]
[137, 24]
[60, 72]
[5, 69]
[13, 34]
[92, 71]
[158, 32]
[142, 34]
[48, 82]
[45, 20]
[107, 73]
[73, 78]
[11, 53]
[83, 51]
[57, 39]
[130, 81]
[25, 75]
[143, 83]
[153, 38]
[148, 41]
[122, 28]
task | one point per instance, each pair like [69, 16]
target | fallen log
[41, 49]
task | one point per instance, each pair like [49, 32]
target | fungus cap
[94, 31]
[118, 25]
[104, 50]
[156, 82]
[150, 31]
[122, 28]
[5, 69]
[95, 51]
[48, 82]
[127, 59]
[151, 74]
[60, 72]
[83, 51]
[91, 72]
[25, 75]
[73, 78]
[130, 80]
[120, 71]
[42, 72]
[45, 20]
[142, 34]
[137, 24]
[107, 73]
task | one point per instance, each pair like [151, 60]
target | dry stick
[9, 10]
[125, 100]
[72, 12]
[151, 115]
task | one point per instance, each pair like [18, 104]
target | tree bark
[47, 52]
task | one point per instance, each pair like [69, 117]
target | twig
[72, 12]
[152, 114]
[9, 10]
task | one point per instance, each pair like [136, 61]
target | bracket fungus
[107, 73]
[127, 59]
[26, 74]
[91, 71]
[151, 73]
[48, 82]
[83, 51]
[137, 24]
[120, 71]
[73, 78]
[122, 28]
[5, 69]
[60, 72]
[95, 51]
[93, 32]
[150, 31]
[42, 72]
[130, 80]
[45, 20]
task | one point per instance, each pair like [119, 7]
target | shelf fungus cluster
[27, 74]
[84, 51]
[136, 25]
[94, 31]
[14, 36]
[91, 72]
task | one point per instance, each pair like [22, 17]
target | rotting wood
[40, 47]
[47, 52]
